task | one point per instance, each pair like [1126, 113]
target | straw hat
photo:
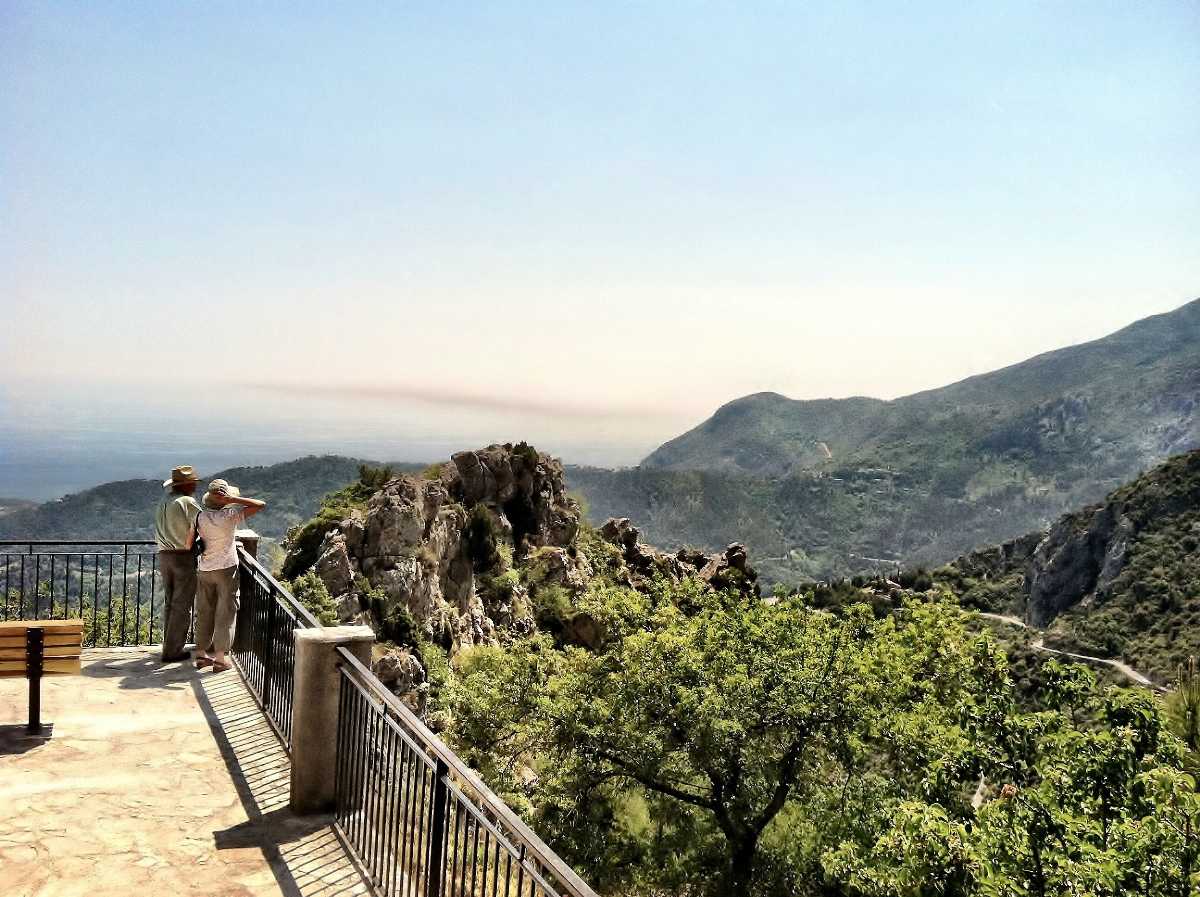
[221, 488]
[181, 476]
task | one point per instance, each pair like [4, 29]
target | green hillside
[124, 510]
[1119, 579]
[820, 487]
[802, 527]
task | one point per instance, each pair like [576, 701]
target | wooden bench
[37, 648]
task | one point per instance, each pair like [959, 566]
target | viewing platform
[296, 772]
[157, 779]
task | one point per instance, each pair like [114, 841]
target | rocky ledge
[728, 569]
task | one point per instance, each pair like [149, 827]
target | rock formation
[727, 569]
[420, 543]
[997, 561]
[456, 556]
[1078, 556]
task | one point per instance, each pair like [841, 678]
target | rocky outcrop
[564, 567]
[727, 569]
[1076, 561]
[333, 564]
[997, 561]
[421, 542]
[526, 489]
[473, 553]
[402, 672]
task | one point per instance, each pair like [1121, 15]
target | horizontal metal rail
[117, 593]
[4, 543]
[419, 820]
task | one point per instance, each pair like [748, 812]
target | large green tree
[715, 713]
[710, 743]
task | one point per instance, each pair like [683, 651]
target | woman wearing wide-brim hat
[217, 596]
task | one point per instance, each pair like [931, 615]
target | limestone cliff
[1076, 561]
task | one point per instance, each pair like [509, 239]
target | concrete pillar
[249, 540]
[315, 711]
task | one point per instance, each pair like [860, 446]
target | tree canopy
[714, 743]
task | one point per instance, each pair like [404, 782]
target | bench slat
[57, 640]
[62, 651]
[18, 627]
[49, 667]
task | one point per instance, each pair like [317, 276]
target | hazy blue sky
[609, 218]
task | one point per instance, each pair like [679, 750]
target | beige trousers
[217, 602]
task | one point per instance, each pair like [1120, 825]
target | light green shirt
[173, 520]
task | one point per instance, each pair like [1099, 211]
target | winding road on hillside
[1038, 644]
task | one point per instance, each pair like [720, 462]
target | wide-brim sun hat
[182, 475]
[222, 488]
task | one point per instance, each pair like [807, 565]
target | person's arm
[250, 506]
[191, 537]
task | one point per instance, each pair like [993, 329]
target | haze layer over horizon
[589, 226]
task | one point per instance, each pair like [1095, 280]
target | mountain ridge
[827, 487]
[1039, 379]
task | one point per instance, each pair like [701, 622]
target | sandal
[219, 667]
[202, 662]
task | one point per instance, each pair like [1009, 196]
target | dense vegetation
[863, 737]
[716, 743]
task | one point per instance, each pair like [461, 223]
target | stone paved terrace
[158, 781]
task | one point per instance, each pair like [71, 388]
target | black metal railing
[419, 821]
[113, 586]
[264, 644]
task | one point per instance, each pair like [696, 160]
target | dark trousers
[178, 570]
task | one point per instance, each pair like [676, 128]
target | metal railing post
[438, 830]
[269, 649]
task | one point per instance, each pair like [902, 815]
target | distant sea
[50, 447]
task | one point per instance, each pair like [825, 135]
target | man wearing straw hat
[174, 520]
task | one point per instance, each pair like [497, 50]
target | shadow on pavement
[16, 739]
[137, 669]
[304, 853]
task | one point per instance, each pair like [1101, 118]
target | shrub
[396, 623]
[526, 452]
[310, 590]
[375, 478]
[552, 608]
[437, 674]
[499, 587]
[304, 541]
